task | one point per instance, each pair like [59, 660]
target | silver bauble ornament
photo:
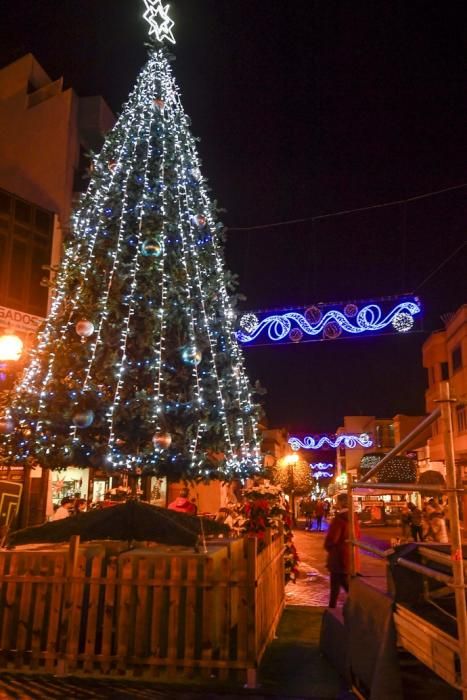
[152, 248]
[191, 356]
[162, 441]
[199, 220]
[84, 329]
[83, 419]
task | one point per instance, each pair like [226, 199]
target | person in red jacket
[337, 547]
[182, 504]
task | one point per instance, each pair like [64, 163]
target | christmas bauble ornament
[351, 310]
[199, 220]
[332, 331]
[6, 426]
[162, 440]
[159, 103]
[296, 335]
[195, 173]
[83, 419]
[84, 329]
[112, 164]
[152, 248]
[191, 356]
[313, 314]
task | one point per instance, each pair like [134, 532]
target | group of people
[70, 506]
[314, 510]
[427, 524]
[75, 505]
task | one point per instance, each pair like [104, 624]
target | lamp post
[11, 350]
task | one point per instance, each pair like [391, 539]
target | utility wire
[345, 212]
[441, 265]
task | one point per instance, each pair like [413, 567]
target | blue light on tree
[330, 321]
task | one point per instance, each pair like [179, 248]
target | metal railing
[455, 558]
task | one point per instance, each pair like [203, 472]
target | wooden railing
[154, 612]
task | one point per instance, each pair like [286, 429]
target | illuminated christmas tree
[138, 368]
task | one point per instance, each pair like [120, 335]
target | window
[461, 415]
[444, 371]
[5, 203]
[22, 212]
[456, 358]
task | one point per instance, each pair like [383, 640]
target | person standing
[337, 546]
[415, 522]
[437, 530]
[182, 504]
[405, 522]
[319, 512]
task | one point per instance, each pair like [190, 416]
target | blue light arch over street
[330, 321]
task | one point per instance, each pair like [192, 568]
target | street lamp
[290, 461]
[11, 348]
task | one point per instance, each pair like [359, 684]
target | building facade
[380, 432]
[46, 131]
[445, 359]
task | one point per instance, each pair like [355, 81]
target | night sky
[305, 107]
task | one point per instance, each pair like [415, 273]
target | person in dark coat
[319, 512]
[416, 522]
[337, 546]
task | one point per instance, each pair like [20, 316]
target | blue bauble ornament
[152, 248]
[191, 356]
[83, 419]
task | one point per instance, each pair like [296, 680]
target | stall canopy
[131, 521]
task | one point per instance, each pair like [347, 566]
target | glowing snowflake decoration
[160, 24]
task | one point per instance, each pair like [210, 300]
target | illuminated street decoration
[330, 321]
[160, 24]
[137, 368]
[322, 470]
[323, 475]
[348, 441]
[402, 322]
[249, 322]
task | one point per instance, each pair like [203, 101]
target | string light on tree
[156, 382]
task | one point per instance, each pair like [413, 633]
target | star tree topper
[160, 24]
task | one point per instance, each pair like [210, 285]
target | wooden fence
[149, 613]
